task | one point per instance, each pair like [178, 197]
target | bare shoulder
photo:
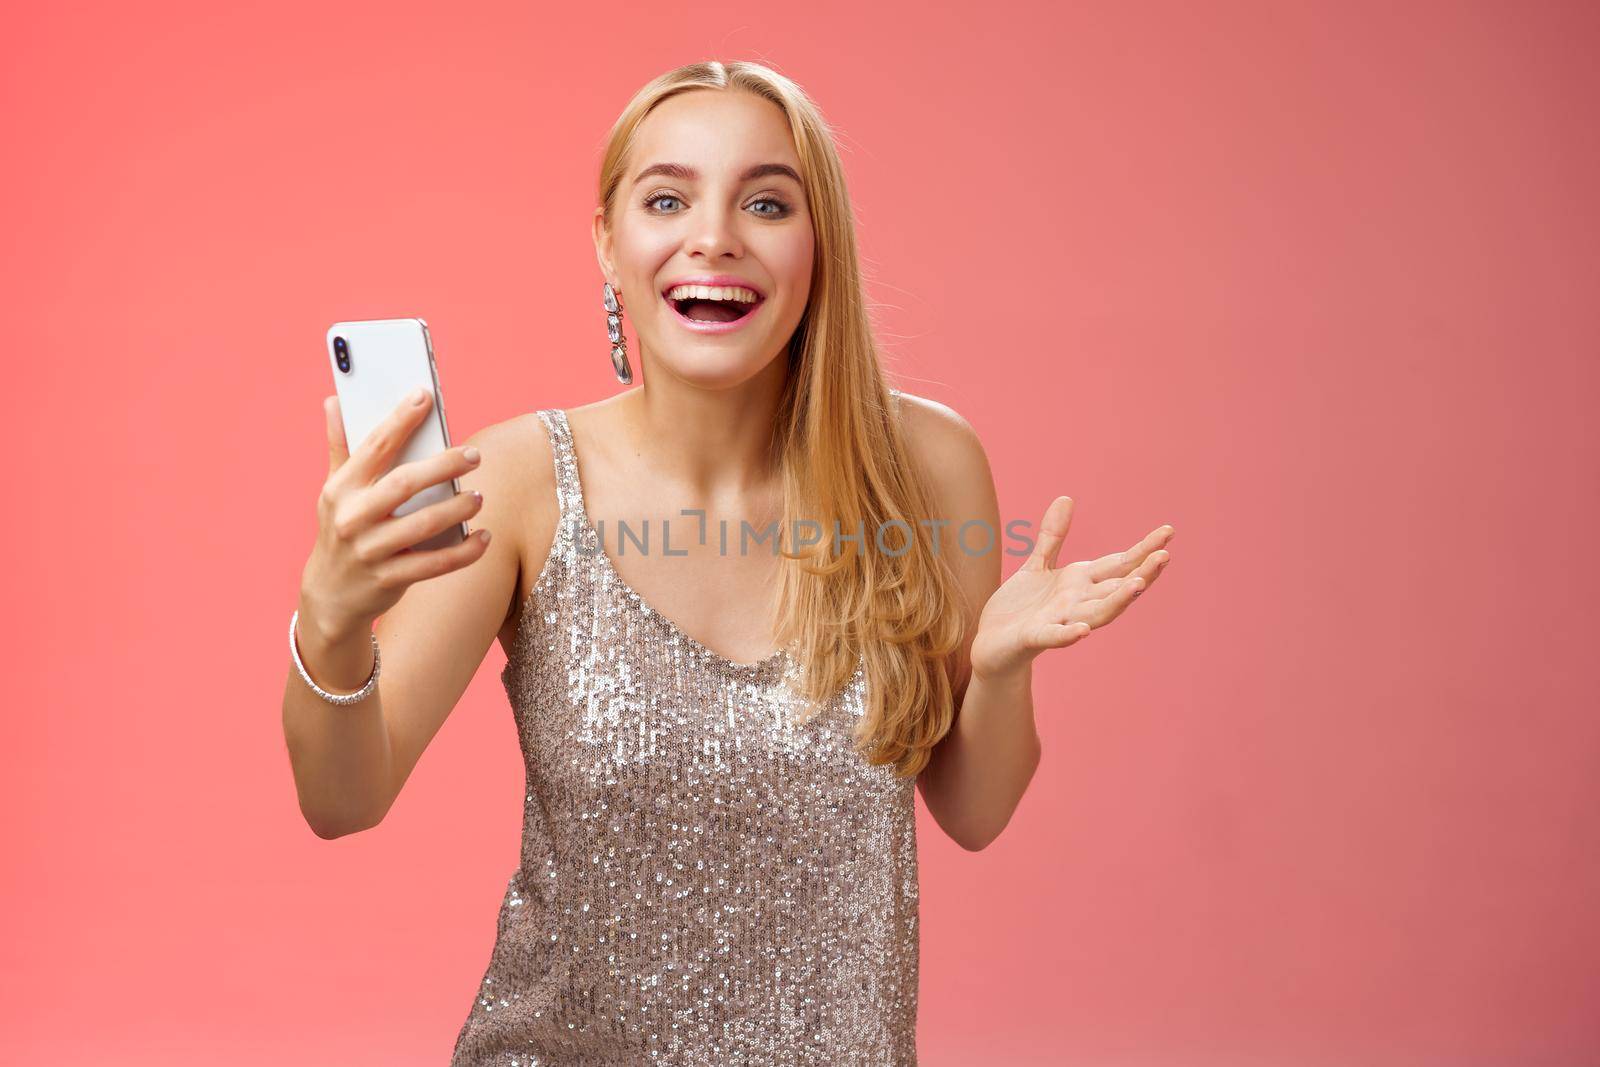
[517, 479]
[955, 468]
[517, 461]
[947, 449]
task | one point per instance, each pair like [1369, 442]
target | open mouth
[703, 309]
[712, 310]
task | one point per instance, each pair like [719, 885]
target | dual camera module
[341, 354]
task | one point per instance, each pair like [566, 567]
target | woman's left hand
[1044, 606]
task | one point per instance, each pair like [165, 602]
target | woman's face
[705, 197]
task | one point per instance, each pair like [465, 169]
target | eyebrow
[689, 174]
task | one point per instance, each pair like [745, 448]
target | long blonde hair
[838, 443]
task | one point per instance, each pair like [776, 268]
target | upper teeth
[712, 292]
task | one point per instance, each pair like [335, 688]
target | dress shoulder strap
[569, 494]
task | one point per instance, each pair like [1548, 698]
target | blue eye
[782, 208]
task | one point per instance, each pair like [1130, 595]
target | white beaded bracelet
[333, 698]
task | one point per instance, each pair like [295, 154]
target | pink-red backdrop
[1314, 283]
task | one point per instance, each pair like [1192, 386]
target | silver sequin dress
[701, 881]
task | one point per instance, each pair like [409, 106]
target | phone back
[376, 364]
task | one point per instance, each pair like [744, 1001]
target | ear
[602, 247]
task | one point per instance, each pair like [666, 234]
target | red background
[1314, 283]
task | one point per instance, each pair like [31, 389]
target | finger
[1099, 612]
[385, 539]
[376, 503]
[1148, 571]
[377, 451]
[408, 479]
[338, 447]
[408, 568]
[1154, 566]
[1058, 634]
[1052, 532]
[1120, 564]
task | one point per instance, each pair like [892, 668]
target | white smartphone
[376, 364]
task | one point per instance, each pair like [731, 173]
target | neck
[708, 443]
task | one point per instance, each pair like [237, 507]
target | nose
[714, 235]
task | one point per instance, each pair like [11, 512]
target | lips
[744, 312]
[714, 280]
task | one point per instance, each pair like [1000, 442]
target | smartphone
[376, 364]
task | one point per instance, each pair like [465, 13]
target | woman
[718, 853]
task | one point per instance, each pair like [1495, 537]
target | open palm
[1045, 606]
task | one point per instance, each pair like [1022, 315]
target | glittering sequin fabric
[702, 881]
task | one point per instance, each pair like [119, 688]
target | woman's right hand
[362, 562]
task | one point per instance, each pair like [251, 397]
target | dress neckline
[591, 535]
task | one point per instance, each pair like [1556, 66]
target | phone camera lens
[341, 354]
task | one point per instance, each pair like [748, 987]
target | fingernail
[470, 455]
[483, 535]
[419, 395]
[477, 496]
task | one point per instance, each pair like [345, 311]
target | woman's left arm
[978, 772]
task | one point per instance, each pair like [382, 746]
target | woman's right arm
[437, 612]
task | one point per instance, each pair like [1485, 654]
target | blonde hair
[838, 444]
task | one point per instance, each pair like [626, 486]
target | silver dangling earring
[619, 343]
